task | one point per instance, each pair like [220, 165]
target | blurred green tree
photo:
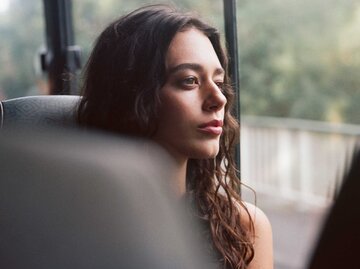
[293, 60]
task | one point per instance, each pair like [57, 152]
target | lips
[213, 127]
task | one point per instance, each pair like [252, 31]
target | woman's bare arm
[263, 244]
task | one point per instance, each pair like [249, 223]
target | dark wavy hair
[121, 93]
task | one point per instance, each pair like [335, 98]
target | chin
[206, 153]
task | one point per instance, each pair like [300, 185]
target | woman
[161, 74]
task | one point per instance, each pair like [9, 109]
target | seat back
[43, 110]
[339, 240]
[78, 200]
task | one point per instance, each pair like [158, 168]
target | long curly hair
[121, 93]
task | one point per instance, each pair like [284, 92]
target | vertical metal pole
[62, 57]
[232, 47]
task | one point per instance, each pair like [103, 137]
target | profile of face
[192, 102]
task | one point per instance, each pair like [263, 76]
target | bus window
[90, 16]
[21, 48]
[299, 65]
[22, 37]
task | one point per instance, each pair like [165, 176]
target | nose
[215, 99]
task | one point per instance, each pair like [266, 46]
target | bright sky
[4, 4]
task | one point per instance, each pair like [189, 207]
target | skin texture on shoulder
[263, 242]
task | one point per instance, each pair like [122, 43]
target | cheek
[177, 109]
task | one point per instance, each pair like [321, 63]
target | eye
[221, 85]
[190, 81]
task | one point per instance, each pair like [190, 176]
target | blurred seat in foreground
[70, 200]
[339, 241]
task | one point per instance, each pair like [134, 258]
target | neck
[179, 179]
[178, 183]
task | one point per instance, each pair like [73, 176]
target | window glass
[300, 59]
[299, 66]
[91, 17]
[22, 31]
[22, 35]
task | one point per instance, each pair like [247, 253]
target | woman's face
[192, 109]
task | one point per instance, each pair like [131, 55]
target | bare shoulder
[259, 218]
[263, 244]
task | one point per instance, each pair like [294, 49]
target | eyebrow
[192, 66]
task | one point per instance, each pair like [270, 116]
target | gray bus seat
[338, 243]
[80, 200]
[44, 110]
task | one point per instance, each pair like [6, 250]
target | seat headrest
[39, 110]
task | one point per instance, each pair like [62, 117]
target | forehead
[191, 46]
